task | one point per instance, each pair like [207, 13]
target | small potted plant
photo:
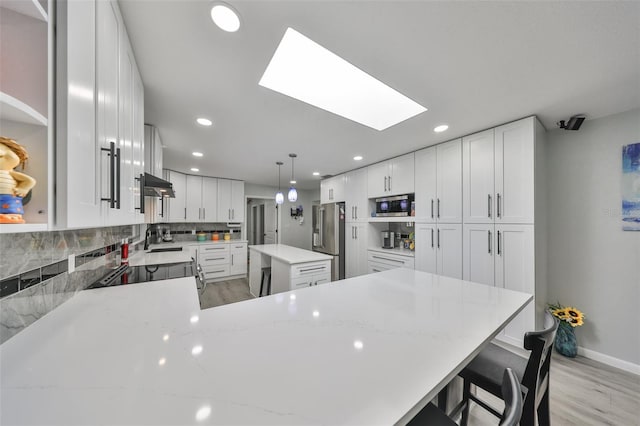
[570, 318]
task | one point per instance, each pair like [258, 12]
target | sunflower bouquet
[568, 314]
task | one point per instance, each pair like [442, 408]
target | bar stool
[266, 276]
[511, 392]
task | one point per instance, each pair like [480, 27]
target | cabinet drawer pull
[214, 258]
[385, 184]
[389, 183]
[356, 212]
[390, 260]
[214, 272]
[214, 248]
[313, 269]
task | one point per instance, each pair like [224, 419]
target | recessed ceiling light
[204, 121]
[316, 173]
[358, 157]
[225, 17]
[304, 70]
[440, 128]
[193, 169]
[197, 154]
[292, 182]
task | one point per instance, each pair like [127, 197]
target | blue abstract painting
[631, 187]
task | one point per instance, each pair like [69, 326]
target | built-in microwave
[394, 206]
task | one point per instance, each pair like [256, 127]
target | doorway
[262, 221]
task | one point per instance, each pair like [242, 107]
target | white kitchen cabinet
[99, 114]
[332, 190]
[356, 201]
[230, 201]
[426, 250]
[516, 270]
[439, 248]
[479, 242]
[498, 174]
[383, 260]
[356, 243]
[391, 177]
[138, 146]
[238, 261]
[177, 207]
[202, 199]
[514, 178]
[310, 274]
[438, 183]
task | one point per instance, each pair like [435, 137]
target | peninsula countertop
[367, 350]
[290, 255]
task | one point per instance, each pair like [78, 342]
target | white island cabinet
[291, 268]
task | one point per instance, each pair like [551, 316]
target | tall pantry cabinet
[438, 197]
[504, 221]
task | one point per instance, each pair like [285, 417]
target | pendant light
[293, 194]
[279, 194]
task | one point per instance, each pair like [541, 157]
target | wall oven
[394, 206]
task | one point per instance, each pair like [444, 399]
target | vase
[566, 343]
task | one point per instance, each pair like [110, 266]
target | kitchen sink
[160, 250]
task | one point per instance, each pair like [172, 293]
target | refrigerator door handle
[321, 227]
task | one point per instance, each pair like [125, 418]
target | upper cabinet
[202, 199]
[100, 114]
[177, 207]
[332, 190]
[438, 183]
[26, 96]
[391, 177]
[498, 174]
[230, 200]
[356, 201]
[154, 206]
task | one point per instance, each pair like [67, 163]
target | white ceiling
[473, 64]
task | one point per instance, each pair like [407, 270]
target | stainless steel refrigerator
[328, 235]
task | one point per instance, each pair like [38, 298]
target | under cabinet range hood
[156, 187]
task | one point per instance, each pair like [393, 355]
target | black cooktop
[126, 274]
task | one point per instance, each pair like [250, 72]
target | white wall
[593, 264]
[291, 231]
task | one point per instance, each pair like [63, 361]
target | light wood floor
[583, 392]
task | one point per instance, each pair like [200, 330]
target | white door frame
[278, 216]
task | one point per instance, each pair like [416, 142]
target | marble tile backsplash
[20, 253]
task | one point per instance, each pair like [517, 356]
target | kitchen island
[291, 268]
[372, 350]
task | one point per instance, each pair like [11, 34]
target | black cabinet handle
[112, 172]
[118, 179]
[141, 181]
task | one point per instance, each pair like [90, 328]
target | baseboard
[609, 360]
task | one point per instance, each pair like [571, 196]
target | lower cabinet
[356, 249]
[503, 256]
[238, 264]
[439, 248]
[310, 274]
[222, 260]
[378, 261]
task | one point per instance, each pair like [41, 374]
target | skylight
[304, 70]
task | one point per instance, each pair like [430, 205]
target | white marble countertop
[290, 255]
[141, 258]
[367, 350]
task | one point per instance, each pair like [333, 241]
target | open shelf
[404, 219]
[24, 227]
[13, 109]
[30, 8]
